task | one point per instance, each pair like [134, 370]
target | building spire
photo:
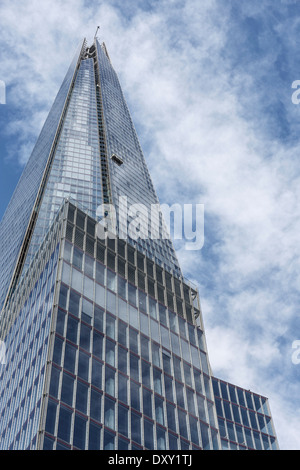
[98, 27]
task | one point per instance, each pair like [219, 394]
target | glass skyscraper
[104, 340]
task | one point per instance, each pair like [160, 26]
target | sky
[209, 84]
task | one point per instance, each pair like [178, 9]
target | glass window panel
[232, 393]
[152, 308]
[64, 424]
[222, 427]
[94, 436]
[72, 329]
[133, 340]
[87, 311]
[173, 321]
[109, 413]
[173, 445]
[179, 394]
[241, 397]
[144, 324]
[182, 327]
[85, 337]
[122, 359]
[100, 296]
[83, 365]
[122, 333]
[245, 417]
[224, 390]
[60, 322]
[110, 381]
[169, 388]
[122, 444]
[154, 330]
[190, 400]
[74, 303]
[123, 420]
[54, 383]
[147, 402]
[70, 357]
[77, 258]
[227, 410]
[249, 400]
[110, 326]
[177, 368]
[97, 344]
[166, 362]
[249, 438]
[122, 310]
[122, 388]
[182, 423]
[142, 301]
[110, 352]
[76, 283]
[187, 374]
[171, 416]
[111, 302]
[148, 434]
[95, 406]
[134, 367]
[79, 432]
[161, 438]
[253, 419]
[111, 280]
[81, 397]
[96, 373]
[133, 317]
[205, 436]
[67, 389]
[157, 382]
[156, 355]
[159, 410]
[239, 433]
[146, 374]
[51, 417]
[89, 266]
[236, 413]
[88, 288]
[109, 440]
[98, 318]
[194, 430]
[57, 350]
[100, 273]
[231, 433]
[175, 344]
[132, 294]
[63, 296]
[185, 350]
[66, 270]
[145, 348]
[135, 427]
[135, 395]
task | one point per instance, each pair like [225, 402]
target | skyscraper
[104, 339]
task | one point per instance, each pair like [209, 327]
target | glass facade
[127, 371]
[244, 418]
[104, 337]
[17, 219]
